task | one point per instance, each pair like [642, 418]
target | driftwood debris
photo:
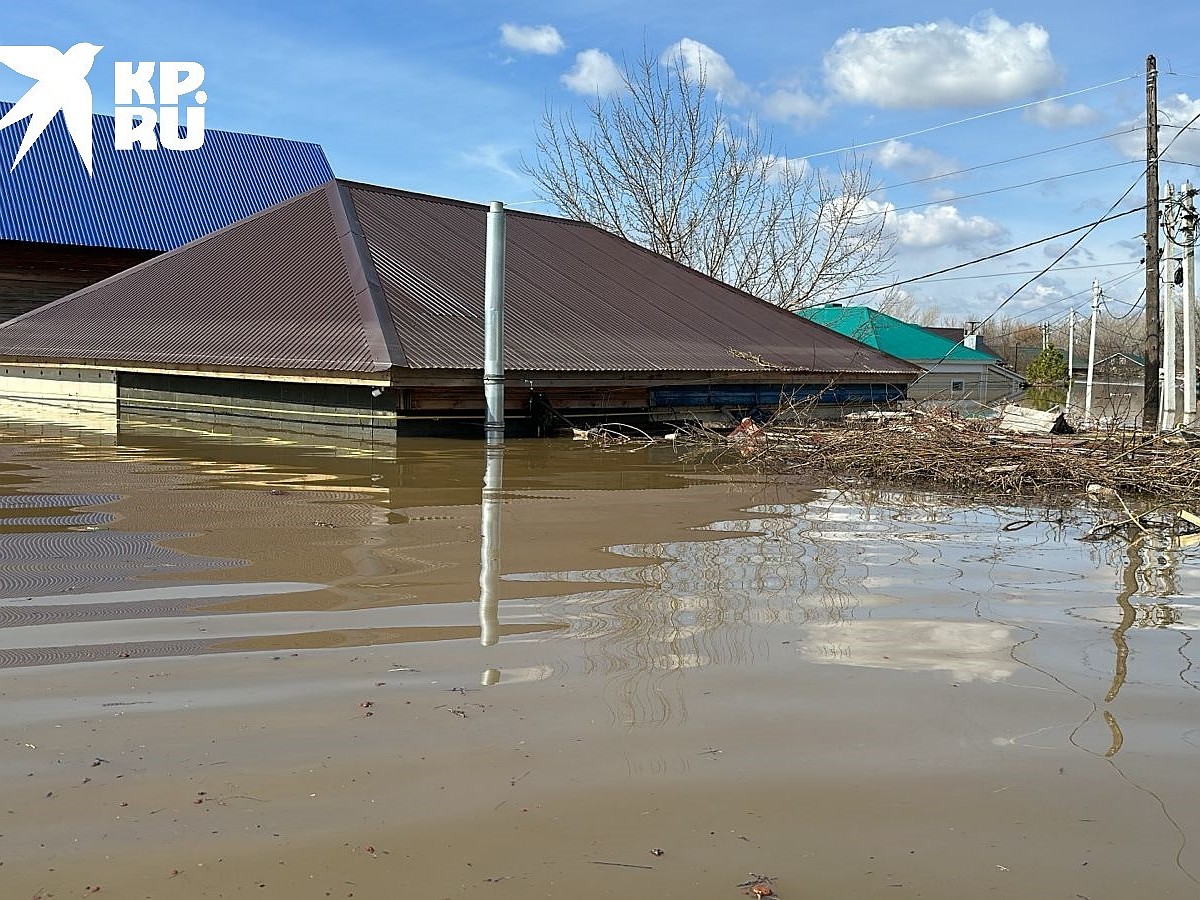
[937, 448]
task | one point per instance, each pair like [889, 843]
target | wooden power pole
[1152, 349]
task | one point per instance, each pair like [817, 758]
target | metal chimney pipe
[493, 323]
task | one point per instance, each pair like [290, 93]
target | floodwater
[232, 665]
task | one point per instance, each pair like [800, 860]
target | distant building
[952, 370]
[1120, 368]
[62, 230]
[970, 339]
[353, 304]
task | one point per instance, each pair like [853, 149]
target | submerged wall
[86, 390]
[981, 384]
[304, 404]
[314, 405]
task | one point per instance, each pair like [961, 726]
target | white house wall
[89, 390]
[981, 382]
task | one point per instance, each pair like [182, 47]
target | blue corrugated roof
[145, 199]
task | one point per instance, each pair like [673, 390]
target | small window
[958, 387]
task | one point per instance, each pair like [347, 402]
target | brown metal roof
[273, 291]
[356, 278]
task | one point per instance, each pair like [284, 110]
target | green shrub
[1048, 367]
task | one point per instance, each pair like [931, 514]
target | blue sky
[444, 97]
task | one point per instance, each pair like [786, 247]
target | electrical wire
[1089, 226]
[1111, 265]
[1086, 229]
[1063, 316]
[975, 118]
[1001, 162]
[1013, 187]
[1192, 121]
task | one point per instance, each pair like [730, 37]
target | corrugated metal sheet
[892, 335]
[145, 200]
[956, 336]
[356, 278]
[577, 299]
[272, 292]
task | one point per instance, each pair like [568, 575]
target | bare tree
[661, 164]
[1018, 341]
[900, 304]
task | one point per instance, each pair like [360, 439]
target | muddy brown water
[235, 666]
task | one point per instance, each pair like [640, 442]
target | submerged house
[358, 305]
[951, 370]
[1120, 367]
[62, 229]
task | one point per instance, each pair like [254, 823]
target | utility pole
[1188, 239]
[1087, 402]
[1167, 314]
[1070, 358]
[1152, 348]
[1071, 348]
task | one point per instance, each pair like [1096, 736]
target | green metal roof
[891, 335]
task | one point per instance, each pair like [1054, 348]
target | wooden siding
[33, 274]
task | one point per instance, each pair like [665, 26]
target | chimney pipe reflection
[489, 553]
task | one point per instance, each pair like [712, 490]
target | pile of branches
[938, 448]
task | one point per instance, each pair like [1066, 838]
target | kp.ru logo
[62, 85]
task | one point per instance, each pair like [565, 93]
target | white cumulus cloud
[543, 39]
[921, 161]
[941, 64]
[1053, 114]
[938, 226]
[792, 105]
[702, 61]
[594, 72]
[1174, 113]
[1048, 289]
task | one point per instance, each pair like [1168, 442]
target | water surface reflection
[340, 545]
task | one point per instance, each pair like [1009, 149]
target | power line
[1061, 316]
[1013, 187]
[997, 255]
[1124, 262]
[1087, 230]
[1001, 162]
[1085, 292]
[975, 118]
[1192, 121]
[1133, 307]
[1079, 240]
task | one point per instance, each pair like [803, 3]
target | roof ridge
[458, 201]
[873, 317]
[380, 328]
